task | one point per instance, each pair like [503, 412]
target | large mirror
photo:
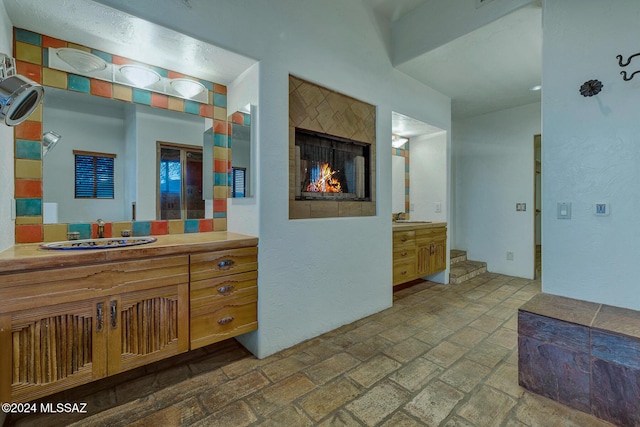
[240, 149]
[154, 158]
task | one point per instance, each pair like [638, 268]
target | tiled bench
[583, 355]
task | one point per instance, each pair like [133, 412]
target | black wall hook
[628, 60]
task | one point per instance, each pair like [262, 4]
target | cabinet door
[439, 257]
[424, 261]
[147, 326]
[53, 348]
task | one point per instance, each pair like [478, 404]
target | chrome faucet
[100, 228]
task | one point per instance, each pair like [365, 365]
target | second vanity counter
[69, 317]
[419, 249]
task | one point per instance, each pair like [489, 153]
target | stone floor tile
[416, 374]
[407, 350]
[486, 323]
[323, 401]
[487, 354]
[371, 371]
[330, 368]
[369, 348]
[183, 413]
[188, 388]
[290, 416]
[434, 336]
[400, 419]
[446, 353]
[241, 367]
[237, 414]
[538, 411]
[113, 417]
[282, 368]
[507, 338]
[505, 379]
[456, 421]
[398, 333]
[434, 403]
[468, 337]
[376, 404]
[487, 407]
[340, 418]
[465, 375]
[365, 331]
[222, 394]
[278, 395]
[500, 312]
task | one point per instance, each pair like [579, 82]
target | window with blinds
[239, 182]
[94, 175]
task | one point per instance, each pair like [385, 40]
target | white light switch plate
[564, 210]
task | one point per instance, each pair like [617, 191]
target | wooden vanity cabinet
[223, 295]
[418, 251]
[69, 326]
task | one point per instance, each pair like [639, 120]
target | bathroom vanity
[419, 249]
[69, 317]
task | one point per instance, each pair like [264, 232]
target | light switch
[438, 207]
[564, 210]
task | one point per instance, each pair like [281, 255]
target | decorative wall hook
[590, 88]
[628, 60]
[624, 75]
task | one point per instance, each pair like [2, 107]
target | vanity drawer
[221, 263]
[430, 234]
[403, 255]
[404, 271]
[220, 289]
[216, 322]
[404, 239]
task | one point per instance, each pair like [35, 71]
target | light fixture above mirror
[49, 140]
[398, 141]
[135, 75]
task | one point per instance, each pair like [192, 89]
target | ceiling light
[398, 141]
[187, 87]
[139, 75]
[19, 96]
[535, 88]
[80, 60]
[49, 140]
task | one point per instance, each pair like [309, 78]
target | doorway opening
[179, 182]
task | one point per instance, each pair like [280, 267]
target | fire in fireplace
[330, 168]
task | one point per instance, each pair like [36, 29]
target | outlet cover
[601, 209]
[509, 256]
[438, 207]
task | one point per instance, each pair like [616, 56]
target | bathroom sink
[106, 243]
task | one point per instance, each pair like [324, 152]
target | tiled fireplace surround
[583, 355]
[31, 53]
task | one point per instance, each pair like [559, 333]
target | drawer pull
[226, 289]
[226, 263]
[114, 314]
[404, 253]
[99, 316]
[404, 239]
[225, 320]
[404, 272]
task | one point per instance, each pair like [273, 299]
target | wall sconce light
[89, 65]
[49, 140]
[138, 75]
[398, 141]
[19, 96]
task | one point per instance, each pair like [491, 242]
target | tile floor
[441, 356]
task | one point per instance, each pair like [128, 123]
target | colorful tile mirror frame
[404, 152]
[31, 54]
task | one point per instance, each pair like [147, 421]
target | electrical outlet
[438, 207]
[509, 256]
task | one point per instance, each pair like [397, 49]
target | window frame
[96, 190]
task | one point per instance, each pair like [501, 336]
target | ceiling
[487, 70]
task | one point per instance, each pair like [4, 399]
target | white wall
[591, 151]
[336, 44]
[83, 126]
[7, 225]
[494, 160]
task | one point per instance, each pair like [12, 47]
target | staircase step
[465, 270]
[457, 256]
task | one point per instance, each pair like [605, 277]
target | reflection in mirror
[240, 145]
[128, 132]
[180, 182]
[398, 186]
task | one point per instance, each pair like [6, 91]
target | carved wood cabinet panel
[80, 324]
[418, 252]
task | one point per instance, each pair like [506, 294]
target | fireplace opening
[331, 168]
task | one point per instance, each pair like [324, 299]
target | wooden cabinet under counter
[69, 318]
[419, 249]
